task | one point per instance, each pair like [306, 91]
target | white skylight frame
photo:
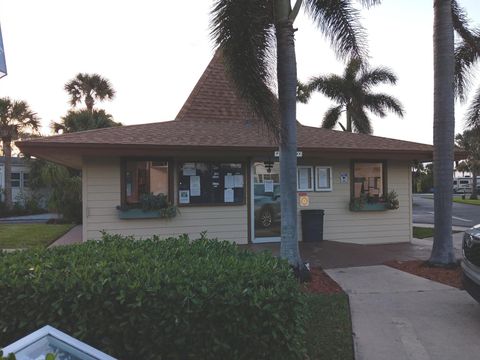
[48, 330]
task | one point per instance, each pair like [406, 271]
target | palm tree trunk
[7, 151]
[474, 195]
[349, 120]
[287, 82]
[89, 103]
[443, 130]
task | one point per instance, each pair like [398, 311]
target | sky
[153, 52]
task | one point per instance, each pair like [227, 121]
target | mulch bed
[452, 277]
[321, 283]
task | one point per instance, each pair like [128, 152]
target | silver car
[471, 261]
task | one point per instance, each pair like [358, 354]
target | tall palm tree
[89, 88]
[470, 141]
[16, 119]
[443, 132]
[251, 35]
[80, 120]
[353, 94]
[448, 17]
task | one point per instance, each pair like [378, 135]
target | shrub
[156, 299]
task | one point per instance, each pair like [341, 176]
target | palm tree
[470, 141]
[462, 166]
[16, 118]
[448, 17]
[249, 33]
[443, 132]
[88, 88]
[80, 120]
[353, 95]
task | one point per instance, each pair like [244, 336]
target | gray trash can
[312, 225]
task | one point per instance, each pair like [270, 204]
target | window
[15, 179]
[25, 180]
[323, 178]
[142, 177]
[369, 180]
[305, 178]
[211, 183]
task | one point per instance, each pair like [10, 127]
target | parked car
[471, 261]
[267, 207]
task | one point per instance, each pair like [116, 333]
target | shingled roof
[214, 117]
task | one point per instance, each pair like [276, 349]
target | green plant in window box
[375, 203]
[150, 206]
[357, 204]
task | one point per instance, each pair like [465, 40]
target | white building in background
[19, 177]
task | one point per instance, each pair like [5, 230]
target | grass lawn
[466, 201]
[422, 232]
[329, 328]
[425, 232]
[20, 236]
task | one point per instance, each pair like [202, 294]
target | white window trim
[312, 180]
[317, 188]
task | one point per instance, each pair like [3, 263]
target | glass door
[266, 202]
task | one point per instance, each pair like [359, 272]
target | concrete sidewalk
[73, 236]
[399, 316]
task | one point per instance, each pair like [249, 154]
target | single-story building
[19, 179]
[221, 169]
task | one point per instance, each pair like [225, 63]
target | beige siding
[101, 193]
[343, 225]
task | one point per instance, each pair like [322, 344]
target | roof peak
[214, 97]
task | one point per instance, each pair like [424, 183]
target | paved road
[463, 214]
[399, 316]
[29, 219]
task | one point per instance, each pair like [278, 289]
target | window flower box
[139, 214]
[151, 207]
[380, 206]
[387, 202]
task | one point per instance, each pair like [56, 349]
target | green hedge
[156, 299]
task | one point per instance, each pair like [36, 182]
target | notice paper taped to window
[229, 181]
[238, 181]
[184, 197]
[228, 196]
[189, 169]
[195, 185]
[304, 178]
[268, 186]
[323, 178]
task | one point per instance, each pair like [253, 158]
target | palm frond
[331, 117]
[461, 26]
[361, 122]
[352, 69]
[472, 117]
[332, 86]
[378, 75]
[465, 58]
[339, 22]
[369, 3]
[57, 127]
[379, 103]
[303, 93]
[243, 32]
